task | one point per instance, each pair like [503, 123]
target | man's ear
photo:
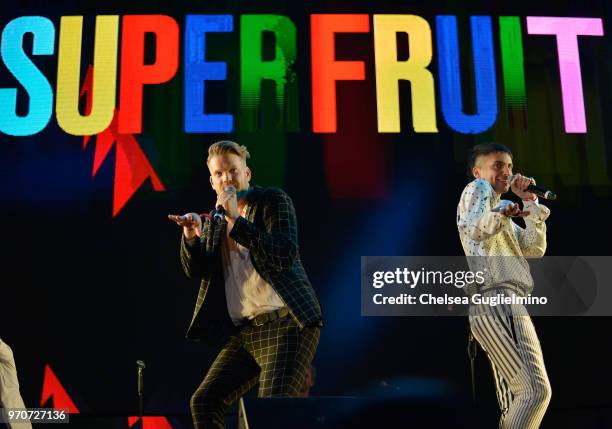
[248, 173]
[475, 172]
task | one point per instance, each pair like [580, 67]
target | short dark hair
[484, 149]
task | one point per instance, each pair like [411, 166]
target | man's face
[228, 170]
[496, 169]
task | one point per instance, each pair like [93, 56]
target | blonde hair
[224, 147]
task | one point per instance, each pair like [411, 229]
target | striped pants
[277, 355]
[507, 335]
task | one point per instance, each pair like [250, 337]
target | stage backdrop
[362, 111]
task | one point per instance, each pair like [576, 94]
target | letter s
[27, 74]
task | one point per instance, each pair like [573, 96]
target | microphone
[220, 210]
[219, 213]
[538, 190]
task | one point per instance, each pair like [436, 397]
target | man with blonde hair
[255, 298]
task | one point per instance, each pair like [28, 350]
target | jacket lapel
[213, 238]
[252, 199]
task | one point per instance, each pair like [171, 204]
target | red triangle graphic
[132, 167]
[53, 389]
[158, 422]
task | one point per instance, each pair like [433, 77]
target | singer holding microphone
[497, 246]
[255, 299]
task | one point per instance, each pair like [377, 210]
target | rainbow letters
[121, 74]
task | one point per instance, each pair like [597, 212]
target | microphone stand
[141, 366]
[472, 349]
[243, 423]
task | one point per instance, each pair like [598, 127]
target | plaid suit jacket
[269, 231]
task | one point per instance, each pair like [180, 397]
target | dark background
[89, 293]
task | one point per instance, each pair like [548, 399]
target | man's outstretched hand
[513, 210]
[191, 223]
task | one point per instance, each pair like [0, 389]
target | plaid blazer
[269, 231]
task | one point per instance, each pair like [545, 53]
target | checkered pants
[507, 335]
[276, 355]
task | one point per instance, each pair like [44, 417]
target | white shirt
[487, 233]
[247, 293]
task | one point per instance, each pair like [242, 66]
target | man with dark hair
[255, 298]
[483, 150]
[497, 246]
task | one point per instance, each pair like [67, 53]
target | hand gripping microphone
[538, 190]
[220, 211]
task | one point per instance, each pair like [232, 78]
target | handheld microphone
[538, 190]
[220, 210]
[219, 213]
